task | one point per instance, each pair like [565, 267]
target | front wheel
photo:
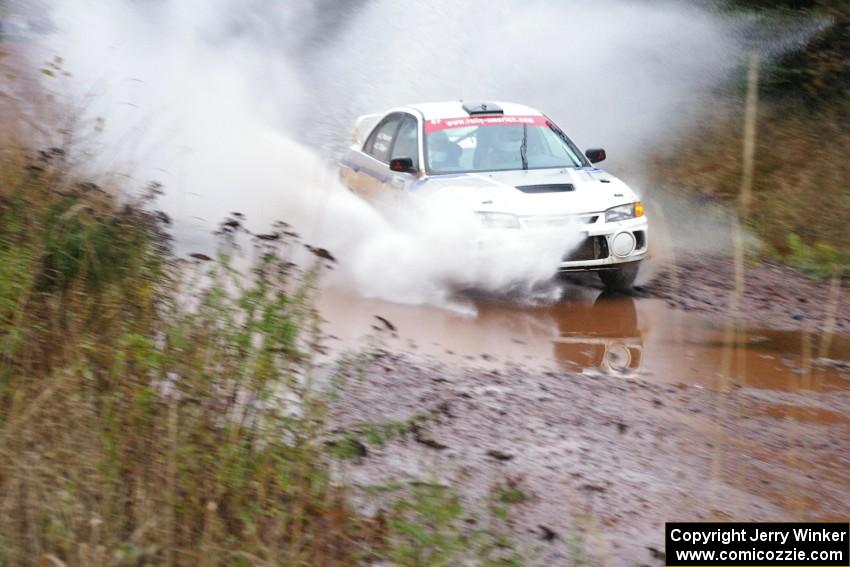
[621, 278]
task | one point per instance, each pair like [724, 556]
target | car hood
[594, 190]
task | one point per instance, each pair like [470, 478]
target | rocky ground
[595, 463]
[775, 296]
[601, 462]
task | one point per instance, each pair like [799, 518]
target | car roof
[454, 109]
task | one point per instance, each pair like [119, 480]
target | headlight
[498, 220]
[624, 212]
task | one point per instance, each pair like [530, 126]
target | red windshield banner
[467, 121]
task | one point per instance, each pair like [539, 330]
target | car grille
[558, 221]
[592, 248]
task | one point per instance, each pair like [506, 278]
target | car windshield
[497, 143]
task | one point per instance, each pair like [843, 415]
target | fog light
[623, 244]
[619, 357]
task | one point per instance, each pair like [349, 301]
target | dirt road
[602, 460]
[775, 296]
[602, 456]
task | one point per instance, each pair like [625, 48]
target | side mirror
[402, 165]
[595, 155]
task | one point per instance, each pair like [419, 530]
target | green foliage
[802, 164]
[152, 412]
[155, 412]
[817, 72]
[347, 447]
[512, 495]
[423, 530]
[820, 260]
[431, 528]
[351, 443]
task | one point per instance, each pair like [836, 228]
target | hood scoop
[547, 188]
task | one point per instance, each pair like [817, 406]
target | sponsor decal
[438, 124]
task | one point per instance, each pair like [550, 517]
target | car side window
[381, 139]
[407, 141]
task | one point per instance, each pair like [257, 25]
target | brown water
[590, 331]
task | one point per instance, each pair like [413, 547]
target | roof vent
[473, 108]
[547, 188]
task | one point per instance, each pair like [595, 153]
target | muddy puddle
[591, 331]
[630, 452]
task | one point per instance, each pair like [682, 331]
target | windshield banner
[467, 121]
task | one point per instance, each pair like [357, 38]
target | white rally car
[526, 173]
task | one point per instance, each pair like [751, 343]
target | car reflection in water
[601, 334]
[584, 329]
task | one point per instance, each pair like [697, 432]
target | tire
[621, 278]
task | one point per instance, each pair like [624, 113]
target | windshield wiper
[523, 149]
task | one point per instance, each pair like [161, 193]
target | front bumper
[606, 244]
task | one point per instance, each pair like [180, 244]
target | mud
[604, 461]
[588, 331]
[775, 296]
[608, 443]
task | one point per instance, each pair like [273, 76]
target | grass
[136, 430]
[157, 411]
[510, 492]
[424, 532]
[800, 196]
[354, 442]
